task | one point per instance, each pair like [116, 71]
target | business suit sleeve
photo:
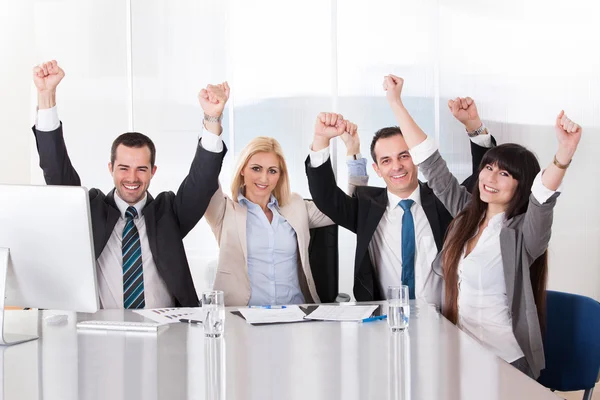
[198, 187]
[316, 218]
[537, 223]
[215, 213]
[477, 153]
[444, 185]
[54, 158]
[329, 198]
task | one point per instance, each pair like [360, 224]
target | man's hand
[46, 78]
[465, 110]
[213, 99]
[327, 126]
[351, 139]
[393, 84]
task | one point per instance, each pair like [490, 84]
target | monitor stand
[7, 339]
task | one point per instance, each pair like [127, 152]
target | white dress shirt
[385, 248]
[483, 309]
[110, 262]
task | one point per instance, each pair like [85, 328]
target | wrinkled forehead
[390, 147]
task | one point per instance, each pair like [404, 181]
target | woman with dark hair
[490, 277]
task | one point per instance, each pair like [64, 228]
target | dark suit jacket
[361, 214]
[169, 217]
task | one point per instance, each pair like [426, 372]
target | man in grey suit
[140, 257]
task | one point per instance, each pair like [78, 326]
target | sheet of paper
[342, 313]
[166, 315]
[273, 315]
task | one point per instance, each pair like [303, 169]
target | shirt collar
[244, 201]
[497, 220]
[393, 200]
[122, 205]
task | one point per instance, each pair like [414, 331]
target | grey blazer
[523, 239]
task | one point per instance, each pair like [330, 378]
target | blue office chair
[571, 343]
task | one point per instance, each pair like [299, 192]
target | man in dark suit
[384, 257]
[141, 261]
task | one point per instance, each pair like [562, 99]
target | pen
[377, 318]
[190, 321]
[269, 307]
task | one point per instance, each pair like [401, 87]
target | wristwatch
[477, 131]
[210, 118]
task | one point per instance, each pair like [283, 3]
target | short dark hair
[383, 133]
[133, 139]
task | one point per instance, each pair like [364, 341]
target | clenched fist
[47, 76]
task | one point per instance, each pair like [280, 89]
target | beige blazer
[227, 219]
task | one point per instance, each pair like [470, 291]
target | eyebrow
[399, 154]
[127, 166]
[258, 165]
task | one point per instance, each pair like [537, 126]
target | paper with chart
[166, 315]
[272, 315]
[342, 313]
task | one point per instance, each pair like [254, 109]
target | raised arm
[538, 218]
[202, 181]
[356, 164]
[326, 194]
[52, 150]
[424, 152]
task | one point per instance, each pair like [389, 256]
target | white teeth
[261, 186]
[400, 176]
[131, 187]
[489, 189]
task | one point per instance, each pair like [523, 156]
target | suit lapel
[241, 215]
[508, 241]
[112, 216]
[428, 204]
[149, 213]
[377, 205]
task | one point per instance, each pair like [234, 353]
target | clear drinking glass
[398, 307]
[213, 308]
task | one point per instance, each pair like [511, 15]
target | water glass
[398, 307]
[213, 308]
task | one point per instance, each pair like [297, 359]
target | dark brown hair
[133, 139]
[383, 133]
[523, 166]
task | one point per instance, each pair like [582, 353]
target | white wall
[141, 68]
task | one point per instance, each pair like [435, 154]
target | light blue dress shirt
[357, 167]
[272, 256]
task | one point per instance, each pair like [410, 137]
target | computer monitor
[46, 251]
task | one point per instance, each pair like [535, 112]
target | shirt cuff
[356, 156]
[318, 158]
[541, 192]
[483, 140]
[423, 150]
[47, 120]
[211, 142]
[357, 167]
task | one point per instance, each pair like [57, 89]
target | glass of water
[398, 307]
[213, 308]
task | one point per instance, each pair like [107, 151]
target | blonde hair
[263, 144]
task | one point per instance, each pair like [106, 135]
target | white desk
[309, 360]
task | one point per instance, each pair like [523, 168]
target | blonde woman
[263, 232]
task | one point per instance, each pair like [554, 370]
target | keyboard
[120, 326]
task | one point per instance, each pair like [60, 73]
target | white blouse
[483, 310]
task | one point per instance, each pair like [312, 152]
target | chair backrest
[571, 342]
[324, 260]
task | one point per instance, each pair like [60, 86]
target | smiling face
[496, 186]
[132, 172]
[261, 175]
[394, 164]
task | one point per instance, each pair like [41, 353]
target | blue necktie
[408, 247]
[133, 277]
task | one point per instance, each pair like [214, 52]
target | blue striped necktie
[408, 247]
[133, 271]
